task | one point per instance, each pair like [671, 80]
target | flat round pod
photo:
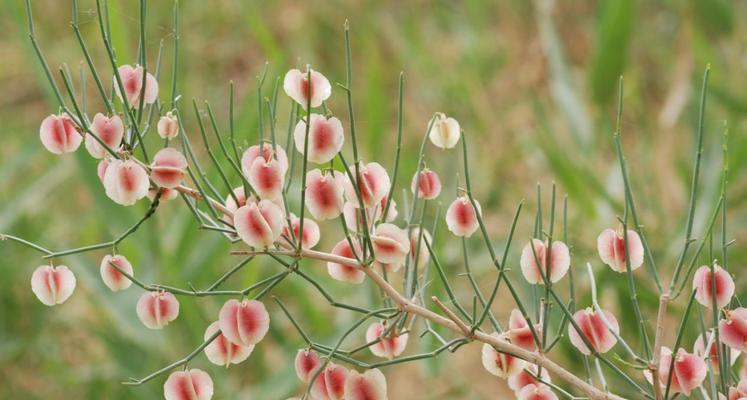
[52, 285]
[168, 126]
[500, 364]
[125, 182]
[222, 351]
[157, 309]
[132, 81]
[699, 349]
[688, 372]
[109, 130]
[389, 346]
[194, 384]
[298, 86]
[59, 135]
[370, 385]
[733, 329]
[426, 184]
[326, 138]
[524, 378]
[307, 362]
[704, 281]
[346, 272]
[535, 255]
[267, 177]
[536, 392]
[444, 132]
[373, 186]
[259, 224]
[520, 333]
[311, 232]
[168, 168]
[324, 194]
[391, 244]
[244, 322]
[112, 277]
[267, 152]
[612, 249]
[595, 330]
[461, 217]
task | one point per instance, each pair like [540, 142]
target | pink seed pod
[168, 168]
[418, 249]
[344, 272]
[222, 351]
[194, 384]
[125, 182]
[334, 378]
[594, 329]
[370, 385]
[461, 218]
[524, 378]
[156, 309]
[560, 261]
[259, 224]
[500, 364]
[168, 126]
[536, 392]
[109, 129]
[231, 203]
[733, 329]
[390, 244]
[267, 178]
[307, 362]
[52, 285]
[689, 371]
[519, 331]
[112, 277]
[738, 392]
[132, 81]
[387, 347]
[101, 169]
[244, 323]
[445, 131]
[703, 284]
[374, 185]
[297, 86]
[59, 135]
[611, 248]
[325, 138]
[166, 194]
[699, 348]
[428, 185]
[267, 152]
[324, 194]
[311, 233]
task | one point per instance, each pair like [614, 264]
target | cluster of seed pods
[330, 381]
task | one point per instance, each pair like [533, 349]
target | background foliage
[532, 83]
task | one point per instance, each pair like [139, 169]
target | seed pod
[166, 194]
[259, 224]
[59, 135]
[325, 138]
[611, 248]
[536, 392]
[428, 185]
[132, 81]
[738, 392]
[111, 276]
[307, 362]
[370, 385]
[703, 284]
[311, 233]
[267, 152]
[297, 86]
[445, 131]
[324, 194]
[333, 380]
[387, 347]
[461, 218]
[168, 126]
[594, 329]
[101, 169]
[688, 373]
[222, 351]
[244, 323]
[157, 309]
[500, 364]
[733, 329]
[125, 182]
[109, 129]
[374, 184]
[560, 261]
[390, 244]
[194, 384]
[345, 272]
[524, 378]
[520, 333]
[168, 168]
[52, 285]
[699, 349]
[267, 177]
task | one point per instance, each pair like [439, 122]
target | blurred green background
[533, 84]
